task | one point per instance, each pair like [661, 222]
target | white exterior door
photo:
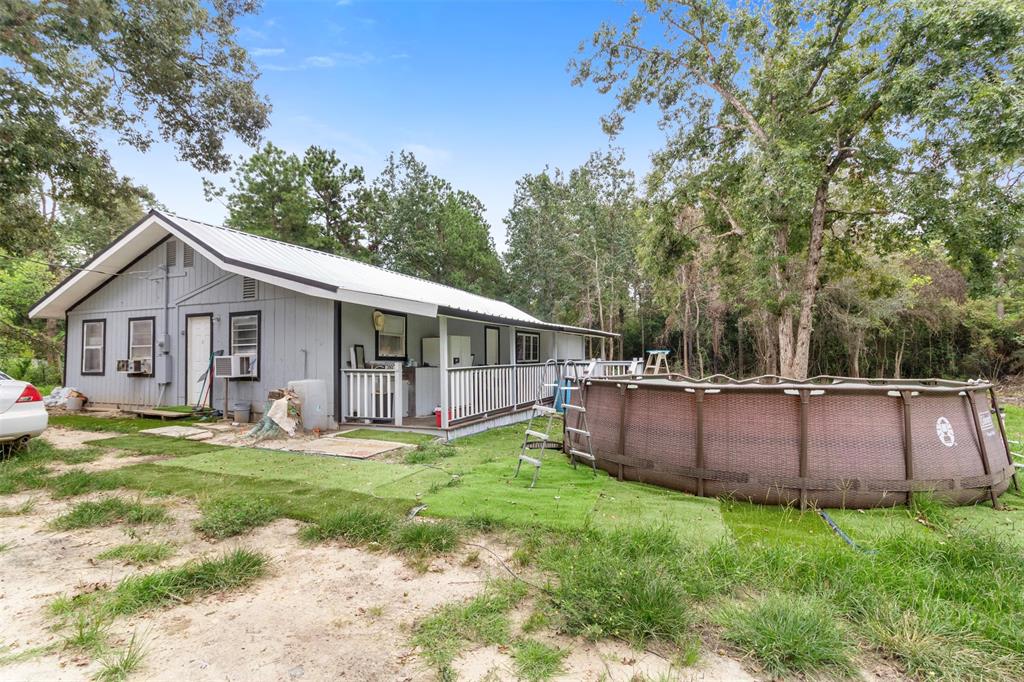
[198, 340]
[491, 345]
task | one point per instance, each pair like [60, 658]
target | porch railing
[616, 368]
[373, 394]
[473, 391]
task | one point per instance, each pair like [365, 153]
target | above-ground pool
[828, 441]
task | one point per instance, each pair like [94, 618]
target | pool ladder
[543, 439]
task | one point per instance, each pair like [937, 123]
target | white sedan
[22, 413]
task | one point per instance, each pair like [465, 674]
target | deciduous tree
[140, 69]
[796, 124]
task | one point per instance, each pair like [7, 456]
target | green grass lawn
[391, 436]
[935, 589]
[86, 422]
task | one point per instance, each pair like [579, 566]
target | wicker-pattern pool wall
[832, 442]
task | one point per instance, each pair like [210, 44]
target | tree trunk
[795, 349]
[855, 346]
[898, 360]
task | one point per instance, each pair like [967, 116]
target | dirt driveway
[324, 612]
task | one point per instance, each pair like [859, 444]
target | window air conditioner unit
[135, 366]
[234, 366]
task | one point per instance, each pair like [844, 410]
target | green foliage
[789, 634]
[227, 516]
[425, 538]
[195, 83]
[357, 525]
[174, 585]
[76, 482]
[799, 133]
[361, 526]
[315, 201]
[88, 634]
[15, 478]
[38, 451]
[482, 620]
[394, 436]
[588, 219]
[427, 454]
[25, 507]
[536, 661]
[408, 219]
[84, 422]
[622, 586]
[22, 283]
[138, 553]
[109, 511]
[422, 226]
[119, 665]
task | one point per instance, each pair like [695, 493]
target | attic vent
[172, 253]
[188, 256]
[248, 288]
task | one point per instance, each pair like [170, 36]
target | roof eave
[448, 311]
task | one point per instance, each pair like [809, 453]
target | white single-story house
[147, 317]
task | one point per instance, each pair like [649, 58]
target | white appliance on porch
[459, 351]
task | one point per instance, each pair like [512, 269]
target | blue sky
[478, 90]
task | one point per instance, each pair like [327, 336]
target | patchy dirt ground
[70, 439]
[324, 612]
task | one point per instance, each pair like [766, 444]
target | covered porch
[446, 375]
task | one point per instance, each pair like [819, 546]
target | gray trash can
[242, 411]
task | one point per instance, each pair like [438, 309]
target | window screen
[245, 334]
[140, 339]
[391, 339]
[94, 334]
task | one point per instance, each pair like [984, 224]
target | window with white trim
[527, 347]
[94, 333]
[391, 338]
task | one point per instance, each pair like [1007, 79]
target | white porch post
[442, 332]
[512, 361]
[399, 394]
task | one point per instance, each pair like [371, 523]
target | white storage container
[313, 394]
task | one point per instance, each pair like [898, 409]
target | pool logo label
[944, 430]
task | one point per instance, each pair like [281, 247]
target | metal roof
[295, 267]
